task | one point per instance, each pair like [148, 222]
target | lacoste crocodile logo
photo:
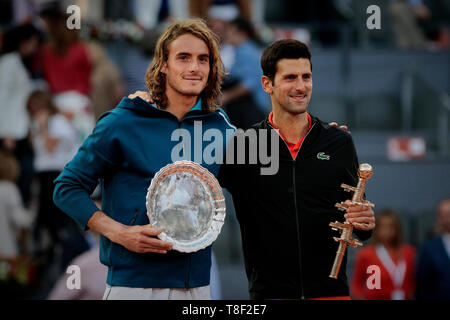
[323, 156]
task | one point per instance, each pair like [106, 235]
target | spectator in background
[243, 96]
[67, 68]
[433, 276]
[218, 21]
[13, 215]
[135, 60]
[435, 26]
[15, 86]
[16, 270]
[93, 279]
[92, 283]
[218, 14]
[55, 143]
[107, 85]
[203, 8]
[395, 259]
[65, 59]
[405, 16]
[157, 13]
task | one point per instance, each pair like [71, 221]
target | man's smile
[193, 78]
[299, 97]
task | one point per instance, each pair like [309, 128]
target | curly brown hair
[156, 80]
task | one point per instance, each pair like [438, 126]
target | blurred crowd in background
[56, 82]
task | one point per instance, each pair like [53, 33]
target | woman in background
[67, 68]
[55, 143]
[396, 262]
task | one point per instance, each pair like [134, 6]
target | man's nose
[193, 66]
[300, 85]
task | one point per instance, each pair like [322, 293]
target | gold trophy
[365, 172]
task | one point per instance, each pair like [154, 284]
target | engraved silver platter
[186, 201]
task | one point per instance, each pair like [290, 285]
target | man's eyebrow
[182, 53]
[289, 75]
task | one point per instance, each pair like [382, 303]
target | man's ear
[164, 68]
[267, 84]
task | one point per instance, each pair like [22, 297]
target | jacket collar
[139, 105]
[265, 124]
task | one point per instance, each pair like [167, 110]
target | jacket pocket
[133, 221]
[124, 251]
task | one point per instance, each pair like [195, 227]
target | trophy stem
[338, 260]
[346, 233]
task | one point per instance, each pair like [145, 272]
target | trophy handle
[365, 172]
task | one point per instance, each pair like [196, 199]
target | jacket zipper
[182, 140]
[188, 271]
[297, 218]
[134, 218]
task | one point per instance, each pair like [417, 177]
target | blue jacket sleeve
[98, 155]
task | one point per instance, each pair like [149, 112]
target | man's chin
[192, 92]
[296, 110]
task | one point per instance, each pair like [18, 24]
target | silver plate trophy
[186, 201]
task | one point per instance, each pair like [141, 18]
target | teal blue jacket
[129, 145]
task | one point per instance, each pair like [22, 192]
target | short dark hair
[245, 26]
[14, 37]
[282, 49]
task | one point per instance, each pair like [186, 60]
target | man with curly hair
[129, 145]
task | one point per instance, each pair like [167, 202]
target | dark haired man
[284, 218]
[433, 271]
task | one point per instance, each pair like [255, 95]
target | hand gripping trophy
[365, 172]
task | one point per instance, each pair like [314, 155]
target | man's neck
[179, 104]
[292, 127]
